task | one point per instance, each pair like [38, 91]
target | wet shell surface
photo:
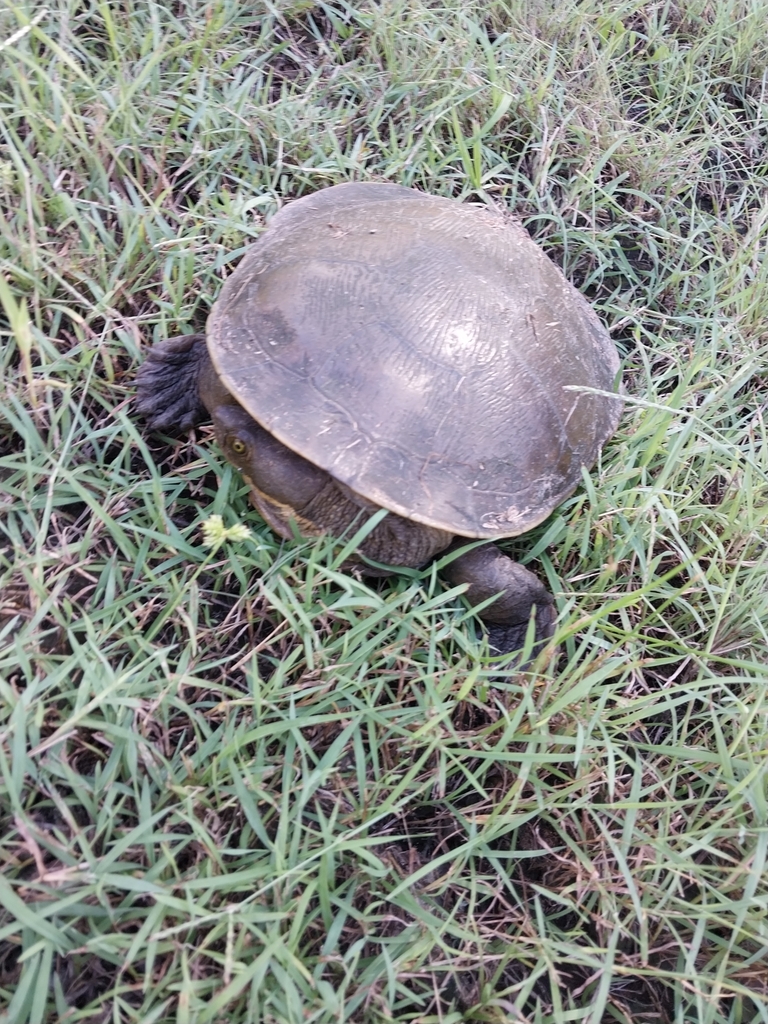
[423, 351]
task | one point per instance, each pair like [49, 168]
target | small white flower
[215, 532]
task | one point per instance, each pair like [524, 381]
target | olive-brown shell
[424, 352]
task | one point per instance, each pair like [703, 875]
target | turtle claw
[168, 384]
[506, 639]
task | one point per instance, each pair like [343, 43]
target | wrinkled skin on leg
[168, 392]
[177, 387]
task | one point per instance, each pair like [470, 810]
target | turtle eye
[238, 446]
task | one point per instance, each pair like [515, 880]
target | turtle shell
[425, 352]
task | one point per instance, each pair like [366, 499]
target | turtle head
[239, 435]
[278, 473]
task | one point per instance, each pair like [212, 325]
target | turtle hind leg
[488, 571]
[168, 383]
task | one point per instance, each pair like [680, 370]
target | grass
[238, 785]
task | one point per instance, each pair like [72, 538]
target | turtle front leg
[488, 571]
[168, 383]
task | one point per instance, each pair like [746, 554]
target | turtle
[382, 348]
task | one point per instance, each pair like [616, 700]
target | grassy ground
[237, 785]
